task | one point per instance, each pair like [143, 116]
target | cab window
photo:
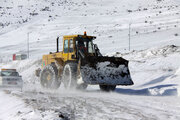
[65, 46]
[70, 45]
[90, 47]
[9, 73]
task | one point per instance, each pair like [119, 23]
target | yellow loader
[80, 63]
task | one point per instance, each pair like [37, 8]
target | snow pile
[151, 52]
[167, 91]
[170, 86]
[154, 71]
[26, 69]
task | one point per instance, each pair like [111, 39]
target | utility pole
[129, 36]
[28, 44]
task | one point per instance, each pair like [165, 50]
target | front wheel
[107, 88]
[82, 86]
[70, 77]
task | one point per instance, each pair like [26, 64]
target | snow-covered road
[92, 105]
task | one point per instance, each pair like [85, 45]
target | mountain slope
[153, 23]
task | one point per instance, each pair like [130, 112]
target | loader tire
[49, 77]
[69, 77]
[107, 88]
[82, 86]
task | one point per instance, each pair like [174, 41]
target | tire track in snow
[83, 107]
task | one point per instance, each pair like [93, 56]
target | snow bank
[151, 52]
[26, 69]
[170, 86]
[155, 71]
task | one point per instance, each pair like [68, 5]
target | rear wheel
[107, 88]
[49, 77]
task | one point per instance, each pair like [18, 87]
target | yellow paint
[8, 69]
[61, 57]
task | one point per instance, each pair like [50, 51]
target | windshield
[85, 45]
[90, 47]
[9, 73]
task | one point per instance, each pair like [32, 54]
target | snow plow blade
[106, 71]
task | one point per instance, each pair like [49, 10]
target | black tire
[107, 88]
[82, 86]
[69, 77]
[37, 72]
[49, 77]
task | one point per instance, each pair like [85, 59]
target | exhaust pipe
[57, 44]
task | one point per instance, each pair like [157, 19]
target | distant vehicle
[19, 56]
[10, 78]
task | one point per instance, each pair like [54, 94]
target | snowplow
[80, 64]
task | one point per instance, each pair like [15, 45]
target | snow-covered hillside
[153, 23]
[154, 56]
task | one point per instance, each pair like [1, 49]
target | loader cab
[85, 45]
[72, 44]
[68, 47]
